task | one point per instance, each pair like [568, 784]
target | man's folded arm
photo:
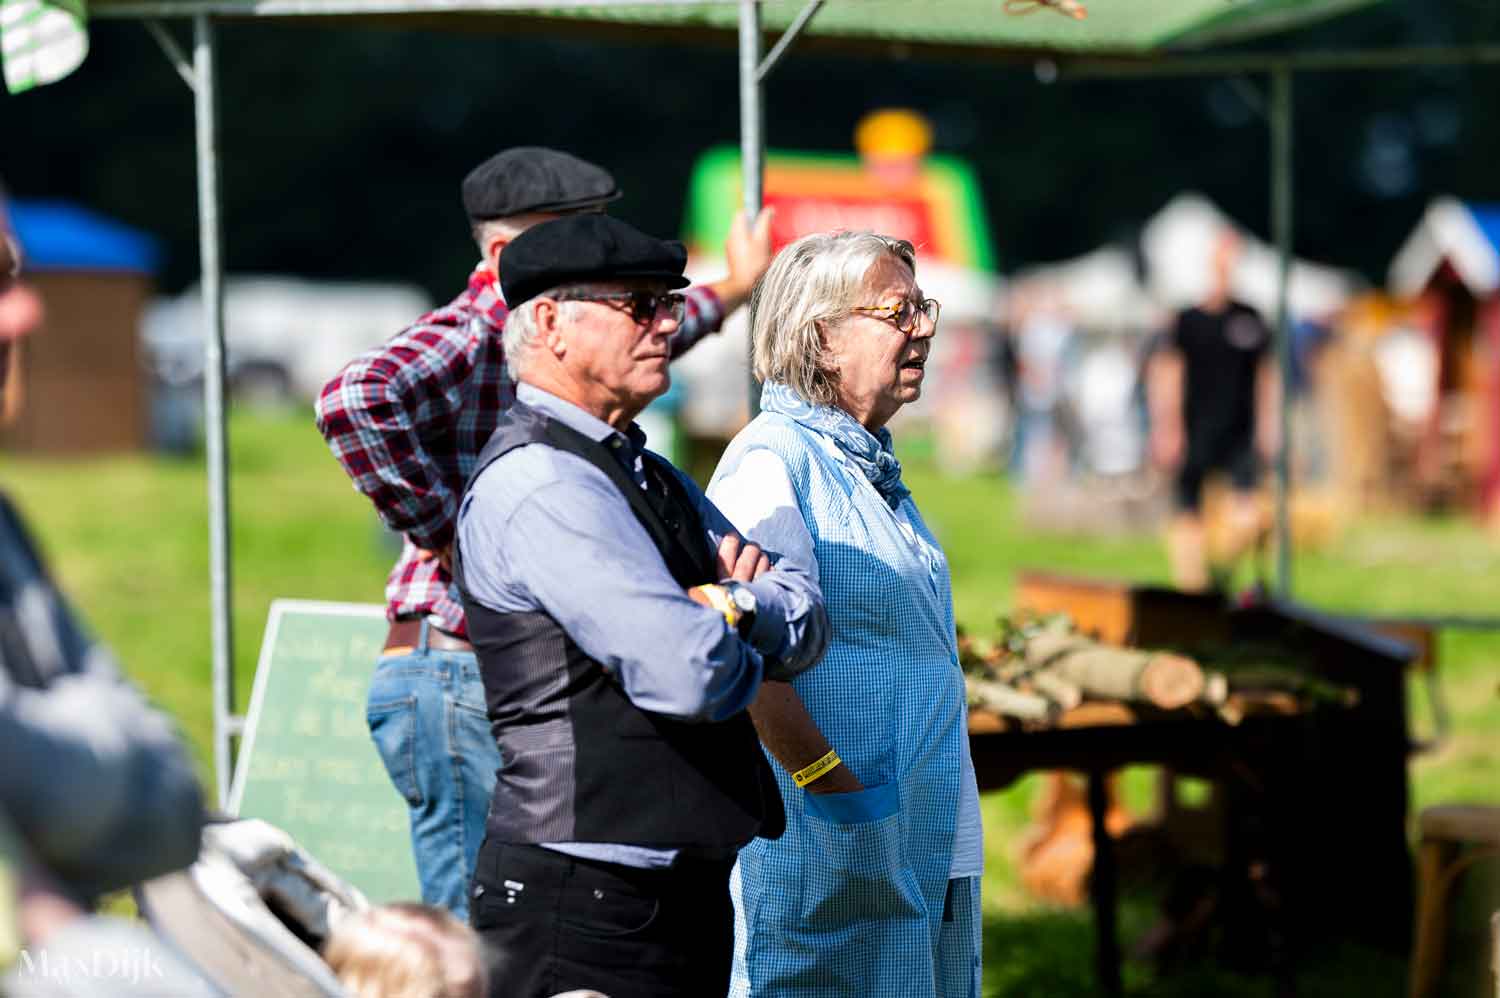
[581, 556]
[758, 500]
[791, 625]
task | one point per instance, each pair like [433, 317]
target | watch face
[743, 598]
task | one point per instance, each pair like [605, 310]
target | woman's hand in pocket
[838, 780]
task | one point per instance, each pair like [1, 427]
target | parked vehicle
[284, 338]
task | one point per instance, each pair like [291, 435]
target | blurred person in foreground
[406, 950]
[622, 627]
[1213, 395]
[96, 791]
[407, 421]
[874, 890]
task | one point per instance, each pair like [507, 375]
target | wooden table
[1097, 739]
[1318, 799]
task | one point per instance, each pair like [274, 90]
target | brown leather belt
[405, 636]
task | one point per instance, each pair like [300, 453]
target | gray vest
[580, 762]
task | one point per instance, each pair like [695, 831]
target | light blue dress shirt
[544, 530]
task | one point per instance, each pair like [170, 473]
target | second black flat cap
[584, 248]
[534, 178]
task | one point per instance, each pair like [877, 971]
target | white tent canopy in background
[1178, 244]
[1448, 231]
[1100, 290]
[1104, 292]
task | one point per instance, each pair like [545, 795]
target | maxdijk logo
[128, 964]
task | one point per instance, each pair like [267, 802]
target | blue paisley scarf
[872, 452]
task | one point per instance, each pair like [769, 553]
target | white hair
[488, 230]
[816, 280]
[519, 340]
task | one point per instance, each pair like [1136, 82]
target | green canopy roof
[1121, 27]
[43, 40]
[1112, 27]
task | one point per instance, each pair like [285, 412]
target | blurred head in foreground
[20, 313]
[406, 950]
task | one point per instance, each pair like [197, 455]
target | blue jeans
[427, 717]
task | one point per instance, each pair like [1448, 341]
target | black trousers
[553, 923]
[1235, 457]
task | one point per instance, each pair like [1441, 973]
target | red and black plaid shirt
[407, 421]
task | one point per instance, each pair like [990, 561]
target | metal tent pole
[1281, 229]
[752, 137]
[210, 244]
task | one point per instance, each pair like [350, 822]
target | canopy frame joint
[173, 52]
[785, 41]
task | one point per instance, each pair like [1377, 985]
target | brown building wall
[84, 382]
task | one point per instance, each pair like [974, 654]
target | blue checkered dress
[855, 907]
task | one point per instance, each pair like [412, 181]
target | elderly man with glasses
[623, 627]
[407, 421]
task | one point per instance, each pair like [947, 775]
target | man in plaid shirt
[407, 421]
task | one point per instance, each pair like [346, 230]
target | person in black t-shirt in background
[1213, 390]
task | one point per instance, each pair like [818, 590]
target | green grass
[127, 539]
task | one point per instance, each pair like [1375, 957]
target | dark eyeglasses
[904, 315]
[642, 305]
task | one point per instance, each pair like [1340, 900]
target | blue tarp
[1487, 217]
[59, 235]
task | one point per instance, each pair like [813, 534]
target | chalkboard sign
[307, 764]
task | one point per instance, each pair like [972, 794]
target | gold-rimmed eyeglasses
[905, 314]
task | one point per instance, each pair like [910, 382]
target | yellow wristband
[719, 599]
[817, 770]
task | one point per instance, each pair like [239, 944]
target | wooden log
[1057, 689]
[1162, 679]
[1008, 700]
[1257, 703]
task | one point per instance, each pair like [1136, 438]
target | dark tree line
[343, 146]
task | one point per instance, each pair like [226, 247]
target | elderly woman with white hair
[874, 889]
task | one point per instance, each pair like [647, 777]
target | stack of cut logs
[1041, 668]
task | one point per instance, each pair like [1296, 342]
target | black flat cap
[582, 248]
[533, 178]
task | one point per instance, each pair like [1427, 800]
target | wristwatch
[743, 598]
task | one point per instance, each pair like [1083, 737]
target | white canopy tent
[1464, 236]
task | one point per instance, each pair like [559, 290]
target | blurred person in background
[1044, 341]
[407, 421]
[96, 791]
[1213, 394]
[874, 889]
